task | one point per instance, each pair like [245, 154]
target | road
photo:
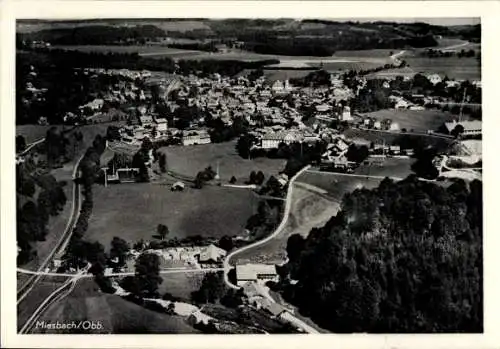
[162, 271]
[30, 146]
[288, 204]
[24, 291]
[63, 240]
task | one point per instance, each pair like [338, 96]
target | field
[366, 53]
[45, 286]
[453, 67]
[390, 137]
[181, 284]
[132, 211]
[31, 133]
[392, 167]
[146, 50]
[309, 209]
[115, 314]
[190, 160]
[417, 120]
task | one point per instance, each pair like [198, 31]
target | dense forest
[404, 257]
[95, 35]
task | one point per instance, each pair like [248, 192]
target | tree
[119, 249]
[163, 162]
[147, 276]
[162, 231]
[253, 178]
[259, 178]
[211, 290]
[457, 131]
[20, 144]
[232, 180]
[226, 243]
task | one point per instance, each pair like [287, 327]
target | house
[178, 186]
[401, 104]
[434, 78]
[255, 273]
[212, 255]
[146, 120]
[346, 114]
[273, 140]
[127, 175]
[195, 137]
[161, 125]
[94, 105]
[395, 149]
[471, 128]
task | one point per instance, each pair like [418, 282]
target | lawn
[190, 160]
[115, 314]
[417, 120]
[453, 67]
[132, 211]
[181, 284]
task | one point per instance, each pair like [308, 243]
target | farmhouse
[211, 255]
[161, 125]
[434, 78]
[195, 137]
[255, 273]
[273, 140]
[146, 120]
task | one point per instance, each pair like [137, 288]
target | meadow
[116, 315]
[466, 68]
[417, 120]
[132, 211]
[189, 160]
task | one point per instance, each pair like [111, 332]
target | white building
[273, 140]
[195, 137]
[255, 273]
[346, 114]
[434, 78]
[161, 125]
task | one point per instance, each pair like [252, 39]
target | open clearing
[309, 209]
[32, 133]
[181, 284]
[392, 167]
[133, 210]
[115, 314]
[417, 120]
[189, 160]
[466, 68]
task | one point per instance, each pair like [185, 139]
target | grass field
[392, 167]
[190, 160]
[31, 133]
[309, 209]
[45, 286]
[382, 53]
[132, 211]
[115, 314]
[453, 67]
[418, 120]
[390, 137]
[181, 284]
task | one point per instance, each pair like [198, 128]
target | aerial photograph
[249, 176]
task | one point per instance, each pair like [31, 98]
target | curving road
[288, 205]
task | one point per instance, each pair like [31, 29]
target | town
[199, 195]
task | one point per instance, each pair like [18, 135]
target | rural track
[288, 204]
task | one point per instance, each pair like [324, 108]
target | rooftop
[250, 271]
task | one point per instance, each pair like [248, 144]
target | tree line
[405, 257]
